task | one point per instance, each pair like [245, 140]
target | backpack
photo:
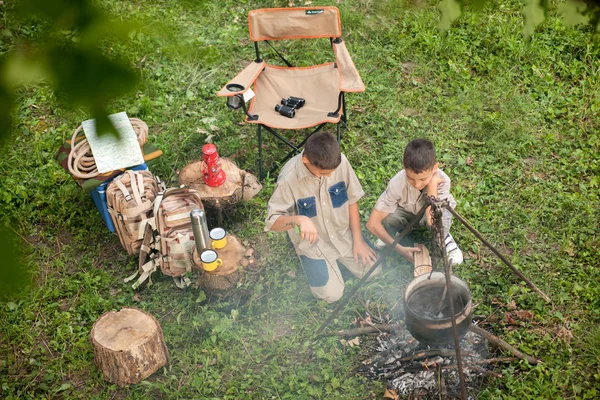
[130, 199]
[170, 245]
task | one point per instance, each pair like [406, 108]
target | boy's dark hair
[419, 156]
[323, 151]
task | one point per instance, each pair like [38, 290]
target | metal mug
[210, 260]
[218, 237]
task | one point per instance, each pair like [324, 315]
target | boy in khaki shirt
[407, 193]
[318, 192]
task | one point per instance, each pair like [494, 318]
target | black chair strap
[279, 54]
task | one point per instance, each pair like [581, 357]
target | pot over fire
[428, 317]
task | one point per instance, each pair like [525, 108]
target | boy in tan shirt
[406, 194]
[318, 192]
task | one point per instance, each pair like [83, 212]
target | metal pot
[429, 322]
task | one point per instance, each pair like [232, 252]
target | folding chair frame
[328, 25]
[296, 149]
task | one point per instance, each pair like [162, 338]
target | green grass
[515, 124]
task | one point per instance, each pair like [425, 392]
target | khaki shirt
[401, 194]
[324, 200]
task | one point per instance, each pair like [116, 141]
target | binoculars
[288, 106]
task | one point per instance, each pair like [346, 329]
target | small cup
[210, 260]
[218, 237]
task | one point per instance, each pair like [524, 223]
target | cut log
[239, 185]
[128, 346]
[422, 260]
[227, 275]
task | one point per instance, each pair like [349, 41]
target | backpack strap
[137, 186]
[123, 190]
[182, 281]
[145, 268]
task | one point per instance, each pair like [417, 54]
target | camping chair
[322, 86]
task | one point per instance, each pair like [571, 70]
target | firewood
[128, 346]
[376, 328]
[422, 260]
[503, 345]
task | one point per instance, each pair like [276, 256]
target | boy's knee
[331, 296]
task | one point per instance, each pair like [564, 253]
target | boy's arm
[375, 226]
[432, 190]
[281, 215]
[360, 249]
[308, 231]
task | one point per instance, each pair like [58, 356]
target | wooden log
[128, 346]
[503, 345]
[234, 255]
[366, 330]
[239, 185]
[422, 260]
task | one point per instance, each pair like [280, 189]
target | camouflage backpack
[169, 242]
[130, 199]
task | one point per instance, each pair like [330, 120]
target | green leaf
[450, 10]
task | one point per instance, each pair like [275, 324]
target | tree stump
[128, 346]
[226, 276]
[239, 185]
[422, 260]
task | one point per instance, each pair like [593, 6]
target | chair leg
[344, 114]
[339, 132]
[260, 160]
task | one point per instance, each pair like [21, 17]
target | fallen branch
[375, 328]
[472, 367]
[433, 352]
[496, 360]
[503, 345]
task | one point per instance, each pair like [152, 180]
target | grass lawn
[516, 127]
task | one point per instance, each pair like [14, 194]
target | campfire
[417, 370]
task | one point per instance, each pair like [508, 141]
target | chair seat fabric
[319, 85]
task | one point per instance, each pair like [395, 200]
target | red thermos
[213, 173]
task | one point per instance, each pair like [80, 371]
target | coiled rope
[81, 161]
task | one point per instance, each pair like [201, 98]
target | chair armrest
[349, 78]
[245, 79]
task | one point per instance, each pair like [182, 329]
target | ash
[419, 371]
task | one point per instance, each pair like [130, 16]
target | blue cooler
[99, 196]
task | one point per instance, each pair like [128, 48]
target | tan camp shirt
[299, 192]
[401, 194]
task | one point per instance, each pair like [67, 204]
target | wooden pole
[496, 252]
[438, 210]
[366, 276]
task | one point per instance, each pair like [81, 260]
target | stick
[375, 328]
[496, 252]
[503, 345]
[496, 360]
[447, 267]
[431, 353]
[366, 276]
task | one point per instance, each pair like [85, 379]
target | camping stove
[213, 173]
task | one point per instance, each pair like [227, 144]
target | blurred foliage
[13, 279]
[573, 12]
[57, 41]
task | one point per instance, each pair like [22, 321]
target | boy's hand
[407, 252]
[361, 251]
[307, 230]
[434, 182]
